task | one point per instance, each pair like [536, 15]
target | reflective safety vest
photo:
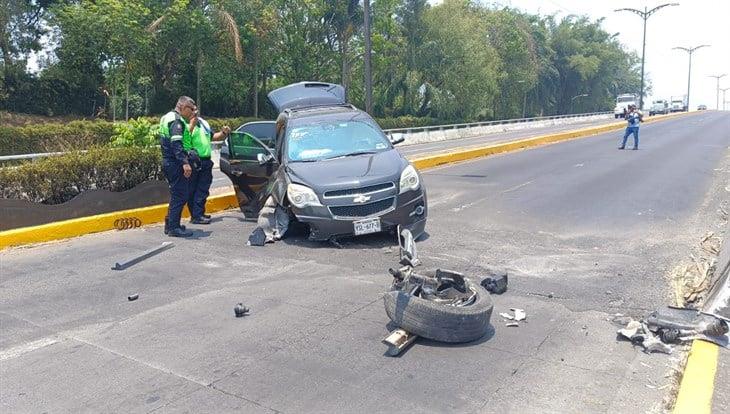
[200, 139]
[173, 131]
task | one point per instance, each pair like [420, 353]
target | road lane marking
[19, 350]
[517, 187]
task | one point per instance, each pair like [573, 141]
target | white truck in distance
[678, 103]
[659, 106]
[622, 104]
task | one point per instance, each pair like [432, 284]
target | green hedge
[52, 137]
[56, 180]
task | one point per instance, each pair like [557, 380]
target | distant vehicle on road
[702, 107]
[622, 104]
[327, 164]
[679, 104]
[660, 106]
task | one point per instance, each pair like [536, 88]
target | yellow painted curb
[698, 381]
[102, 222]
[463, 154]
[156, 214]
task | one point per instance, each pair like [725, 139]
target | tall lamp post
[717, 98]
[723, 97]
[689, 50]
[645, 15]
[368, 53]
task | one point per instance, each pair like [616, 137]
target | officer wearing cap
[199, 149]
[175, 163]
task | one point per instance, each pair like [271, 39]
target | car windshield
[626, 99]
[333, 139]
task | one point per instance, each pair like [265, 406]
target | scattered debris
[512, 324]
[520, 314]
[274, 220]
[257, 237]
[496, 285]
[507, 316]
[146, 255]
[398, 340]
[133, 297]
[675, 325]
[240, 310]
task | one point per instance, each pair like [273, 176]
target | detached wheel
[444, 323]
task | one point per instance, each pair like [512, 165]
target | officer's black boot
[167, 226]
[179, 232]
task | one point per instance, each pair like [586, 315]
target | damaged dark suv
[327, 164]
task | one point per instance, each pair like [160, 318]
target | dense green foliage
[59, 179]
[461, 60]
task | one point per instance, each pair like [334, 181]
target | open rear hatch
[307, 94]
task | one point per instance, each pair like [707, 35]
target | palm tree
[218, 19]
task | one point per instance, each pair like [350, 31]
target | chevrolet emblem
[360, 198]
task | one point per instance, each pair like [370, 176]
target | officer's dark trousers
[200, 188]
[178, 191]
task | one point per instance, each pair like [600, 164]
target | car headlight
[409, 179]
[301, 196]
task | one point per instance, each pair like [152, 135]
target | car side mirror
[264, 159]
[396, 137]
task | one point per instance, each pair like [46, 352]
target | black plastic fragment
[240, 310]
[257, 237]
[496, 285]
[132, 297]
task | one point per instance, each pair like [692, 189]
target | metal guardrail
[411, 130]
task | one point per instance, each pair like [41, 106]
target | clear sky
[691, 23]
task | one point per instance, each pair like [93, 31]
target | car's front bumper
[324, 225]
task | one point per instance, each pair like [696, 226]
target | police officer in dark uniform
[175, 163]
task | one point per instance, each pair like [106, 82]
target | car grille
[355, 191]
[363, 210]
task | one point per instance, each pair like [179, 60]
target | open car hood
[306, 94]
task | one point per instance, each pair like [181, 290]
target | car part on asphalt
[520, 314]
[257, 237]
[408, 251]
[146, 255]
[273, 220]
[512, 324]
[133, 297]
[240, 310]
[639, 334]
[397, 341]
[442, 305]
[687, 322]
[497, 283]
[506, 315]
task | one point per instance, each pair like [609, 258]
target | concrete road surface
[586, 231]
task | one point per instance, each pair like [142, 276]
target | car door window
[243, 146]
[264, 131]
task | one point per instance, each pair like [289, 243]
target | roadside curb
[156, 214]
[698, 380]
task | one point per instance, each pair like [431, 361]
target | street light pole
[717, 98]
[368, 53]
[723, 97]
[645, 15]
[689, 50]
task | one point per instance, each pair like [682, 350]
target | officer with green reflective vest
[198, 146]
[175, 164]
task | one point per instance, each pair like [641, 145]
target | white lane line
[517, 187]
[19, 350]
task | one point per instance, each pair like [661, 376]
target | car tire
[452, 324]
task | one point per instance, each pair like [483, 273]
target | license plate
[367, 226]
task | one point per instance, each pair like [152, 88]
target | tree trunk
[255, 83]
[344, 40]
[126, 93]
[198, 75]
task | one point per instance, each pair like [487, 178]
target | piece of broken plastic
[520, 314]
[496, 285]
[257, 237]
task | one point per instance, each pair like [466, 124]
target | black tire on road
[439, 322]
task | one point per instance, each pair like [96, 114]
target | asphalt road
[220, 180]
[586, 231]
